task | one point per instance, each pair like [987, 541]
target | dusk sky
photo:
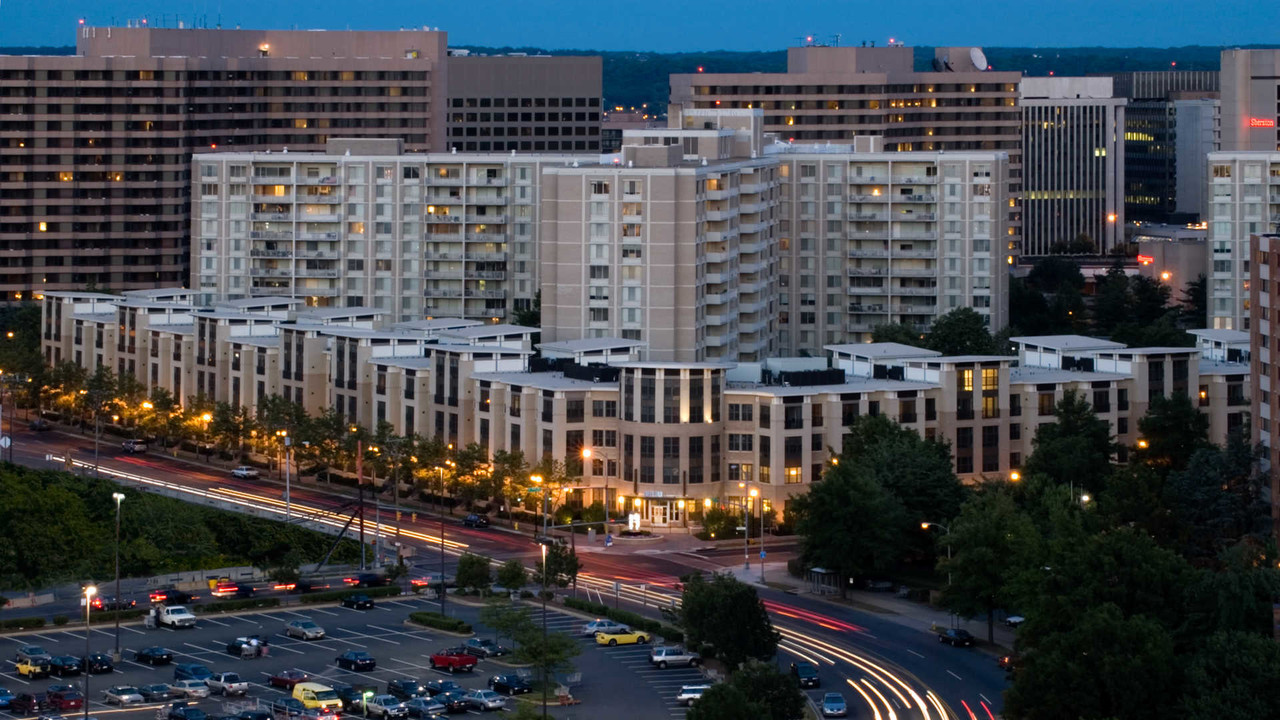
[669, 25]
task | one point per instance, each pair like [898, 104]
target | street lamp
[443, 590]
[947, 530]
[1015, 476]
[544, 628]
[538, 480]
[746, 534]
[207, 418]
[118, 497]
[754, 494]
[288, 452]
[89, 592]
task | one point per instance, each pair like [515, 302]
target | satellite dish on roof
[937, 65]
[978, 57]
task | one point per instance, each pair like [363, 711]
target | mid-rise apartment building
[1073, 163]
[1264, 329]
[520, 102]
[666, 438]
[1244, 200]
[95, 177]
[1251, 100]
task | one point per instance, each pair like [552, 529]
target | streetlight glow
[1015, 476]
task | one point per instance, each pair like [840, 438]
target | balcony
[716, 257]
[722, 194]
[718, 278]
[868, 253]
[272, 216]
[320, 217]
[914, 309]
[866, 216]
[721, 298]
[915, 198]
[915, 179]
[856, 307]
[442, 274]
[487, 219]
[319, 255]
[487, 256]
[913, 272]
[915, 235]
[486, 275]
[751, 207]
[719, 215]
[273, 198]
[270, 272]
[319, 200]
[270, 234]
[868, 198]
[486, 237]
[915, 253]
[321, 236]
[317, 273]
[915, 291]
[271, 253]
[443, 256]
[751, 247]
[442, 293]
[717, 236]
[490, 181]
[751, 188]
[326, 180]
[481, 312]
[446, 180]
[868, 290]
[486, 293]
[866, 272]
[749, 268]
[753, 227]
[444, 219]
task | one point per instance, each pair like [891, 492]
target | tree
[1219, 500]
[1232, 676]
[728, 615]
[721, 523]
[1173, 430]
[1195, 303]
[776, 693]
[725, 701]
[470, 474]
[1075, 448]
[230, 426]
[848, 523]
[509, 477]
[512, 575]
[988, 542]
[899, 333]
[530, 316]
[507, 619]
[548, 654]
[1101, 665]
[562, 566]
[961, 332]
[473, 572]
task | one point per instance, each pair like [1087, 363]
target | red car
[65, 699]
[287, 679]
[453, 659]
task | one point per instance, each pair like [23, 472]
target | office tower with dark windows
[1251, 100]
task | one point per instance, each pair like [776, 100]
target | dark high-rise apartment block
[95, 177]
[1171, 124]
[527, 103]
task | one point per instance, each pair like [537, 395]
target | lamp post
[207, 418]
[118, 497]
[288, 453]
[443, 590]
[538, 479]
[947, 530]
[746, 534]
[754, 494]
[544, 630]
[89, 592]
[586, 456]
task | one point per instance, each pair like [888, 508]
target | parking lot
[608, 674]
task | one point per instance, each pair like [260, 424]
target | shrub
[60, 620]
[338, 595]
[22, 623]
[233, 605]
[796, 567]
[670, 633]
[439, 622]
[110, 615]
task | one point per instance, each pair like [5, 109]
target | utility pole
[360, 486]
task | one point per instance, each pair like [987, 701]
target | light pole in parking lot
[89, 592]
[115, 657]
[947, 530]
[544, 630]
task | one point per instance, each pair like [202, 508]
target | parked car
[170, 596]
[34, 668]
[39, 425]
[365, 580]
[424, 708]
[191, 671]
[252, 642]
[454, 701]
[173, 616]
[625, 636]
[253, 715]
[158, 692]
[154, 655]
[28, 652]
[350, 695]
[122, 695]
[227, 683]
[510, 684]
[232, 589]
[406, 688]
[304, 630]
[245, 472]
[601, 625]
[65, 698]
[134, 446]
[484, 647]
[485, 700]
[475, 520]
[189, 688]
[356, 660]
[666, 655]
[29, 703]
[690, 693]
[1014, 621]
[315, 696]
[286, 707]
[435, 687]
[385, 706]
[109, 602]
[956, 637]
[5, 696]
[806, 674]
[99, 663]
[186, 711]
[287, 679]
[453, 659]
[833, 705]
[358, 602]
[64, 665]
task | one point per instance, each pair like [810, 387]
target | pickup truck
[174, 616]
[453, 659]
[227, 683]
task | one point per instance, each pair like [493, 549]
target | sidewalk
[892, 608]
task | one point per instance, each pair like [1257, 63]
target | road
[893, 670]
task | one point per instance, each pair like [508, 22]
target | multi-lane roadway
[884, 668]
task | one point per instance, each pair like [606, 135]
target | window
[574, 410]
[604, 408]
[990, 379]
[765, 412]
[1045, 400]
[740, 412]
[793, 417]
[604, 438]
[740, 442]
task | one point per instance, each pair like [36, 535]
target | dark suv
[806, 674]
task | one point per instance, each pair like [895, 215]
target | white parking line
[45, 638]
[216, 622]
[413, 635]
[371, 637]
[323, 612]
[17, 678]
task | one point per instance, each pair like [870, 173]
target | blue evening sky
[670, 25]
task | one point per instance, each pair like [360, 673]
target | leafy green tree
[1103, 664]
[1075, 448]
[1237, 595]
[474, 572]
[562, 567]
[763, 684]
[530, 316]
[988, 543]
[508, 620]
[1232, 676]
[726, 701]
[510, 476]
[548, 654]
[1219, 500]
[721, 523]
[1112, 303]
[727, 614]
[512, 575]
[1195, 303]
[230, 426]
[899, 333]
[849, 523]
[1173, 430]
[469, 480]
[961, 332]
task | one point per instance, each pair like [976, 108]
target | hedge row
[109, 616]
[232, 605]
[339, 595]
[439, 622]
[21, 623]
[626, 617]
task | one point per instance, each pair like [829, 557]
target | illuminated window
[44, 227]
[66, 176]
[966, 380]
[990, 380]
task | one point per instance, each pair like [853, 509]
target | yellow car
[315, 696]
[625, 636]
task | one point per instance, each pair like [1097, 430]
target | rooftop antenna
[835, 41]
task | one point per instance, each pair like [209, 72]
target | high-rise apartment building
[95, 175]
[1264, 330]
[834, 94]
[527, 103]
[1244, 200]
[1171, 124]
[1251, 100]
[1073, 163]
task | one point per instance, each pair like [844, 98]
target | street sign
[761, 554]
[741, 527]
[5, 441]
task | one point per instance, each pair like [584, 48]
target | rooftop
[1170, 350]
[1058, 375]
[591, 345]
[1223, 336]
[1218, 367]
[1067, 342]
[882, 350]
[486, 331]
[852, 385]
[543, 381]
[436, 324]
